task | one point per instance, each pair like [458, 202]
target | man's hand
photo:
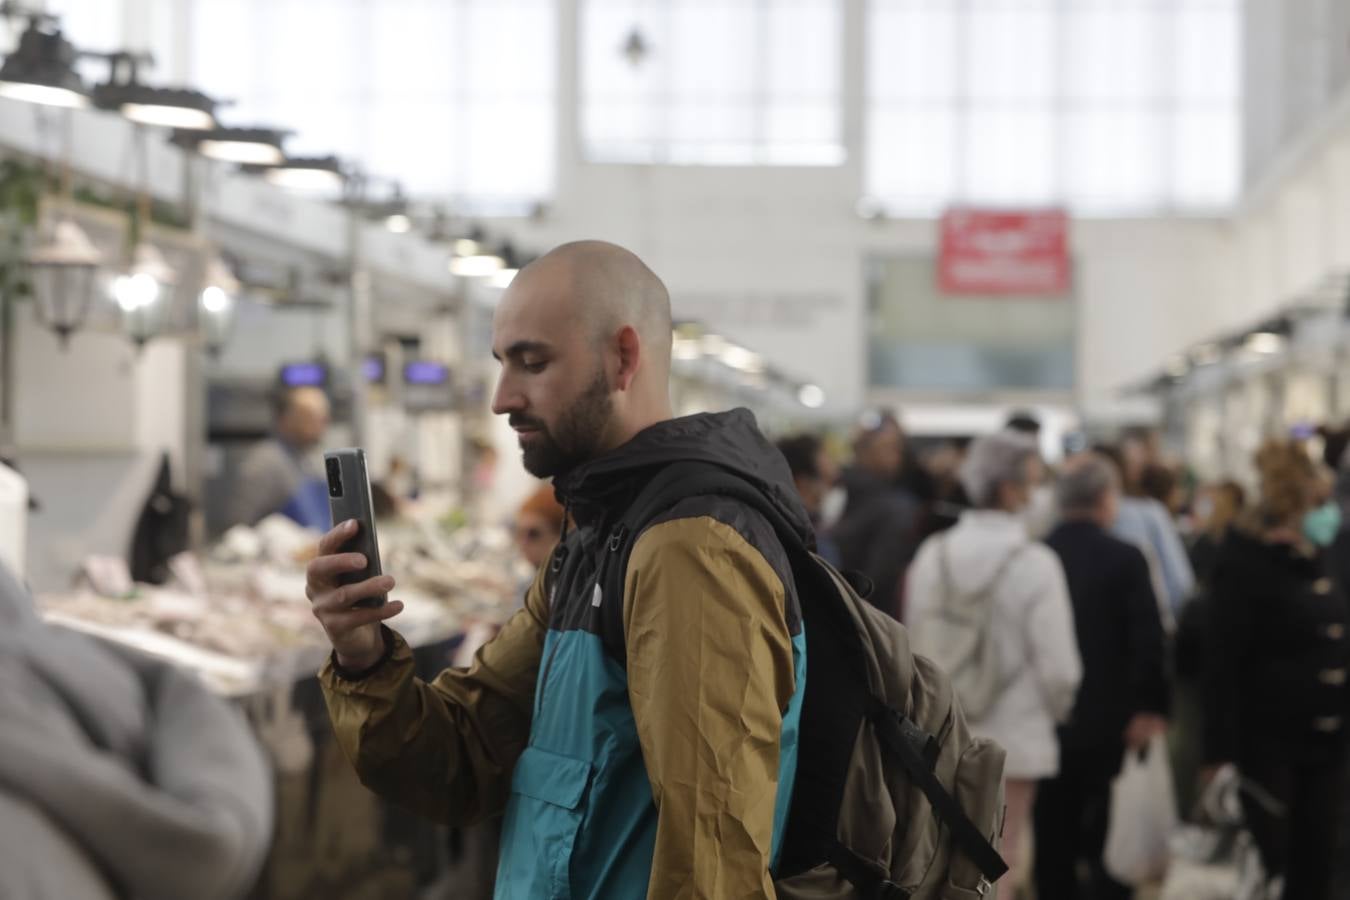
[1142, 728]
[353, 632]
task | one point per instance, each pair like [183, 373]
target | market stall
[237, 617]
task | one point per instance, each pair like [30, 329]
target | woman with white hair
[991, 607]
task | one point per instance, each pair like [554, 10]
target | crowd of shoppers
[1122, 601]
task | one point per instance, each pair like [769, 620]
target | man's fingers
[339, 535]
[356, 618]
[323, 568]
[342, 598]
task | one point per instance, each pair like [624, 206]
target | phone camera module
[334, 478]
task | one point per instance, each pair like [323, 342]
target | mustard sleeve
[710, 675]
[446, 749]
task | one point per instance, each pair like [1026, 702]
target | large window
[1111, 107]
[454, 98]
[722, 82]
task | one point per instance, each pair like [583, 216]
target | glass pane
[813, 154]
[510, 49]
[88, 24]
[1208, 54]
[717, 82]
[911, 156]
[509, 150]
[449, 97]
[700, 121]
[912, 51]
[322, 64]
[622, 122]
[607, 74]
[1206, 156]
[1010, 156]
[320, 128]
[1011, 52]
[1097, 84]
[1114, 53]
[716, 153]
[427, 164]
[1114, 160]
[803, 49]
[801, 123]
[415, 46]
[715, 50]
[220, 27]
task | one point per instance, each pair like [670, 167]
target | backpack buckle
[616, 538]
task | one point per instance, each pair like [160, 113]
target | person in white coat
[988, 576]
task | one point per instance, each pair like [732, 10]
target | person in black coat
[1123, 697]
[1276, 676]
[878, 531]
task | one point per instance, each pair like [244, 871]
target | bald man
[282, 474]
[641, 745]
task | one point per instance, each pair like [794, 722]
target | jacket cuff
[390, 643]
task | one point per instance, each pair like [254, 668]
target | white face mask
[832, 507]
[1039, 513]
[1204, 508]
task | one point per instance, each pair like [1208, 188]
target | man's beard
[578, 432]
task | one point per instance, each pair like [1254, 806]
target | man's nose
[506, 399]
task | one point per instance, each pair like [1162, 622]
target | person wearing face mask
[1277, 671]
[987, 564]
[1040, 515]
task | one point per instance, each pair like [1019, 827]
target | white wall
[90, 425]
[1297, 56]
[774, 257]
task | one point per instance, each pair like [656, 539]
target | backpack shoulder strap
[912, 747]
[676, 482]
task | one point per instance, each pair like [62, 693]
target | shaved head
[611, 288]
[584, 338]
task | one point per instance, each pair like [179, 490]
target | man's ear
[630, 355]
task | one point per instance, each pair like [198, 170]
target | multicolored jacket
[661, 771]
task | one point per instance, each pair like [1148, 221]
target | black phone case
[349, 498]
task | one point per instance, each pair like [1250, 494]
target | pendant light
[306, 174]
[124, 92]
[42, 68]
[245, 146]
[503, 277]
[63, 271]
[474, 259]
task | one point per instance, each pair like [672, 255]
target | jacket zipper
[559, 563]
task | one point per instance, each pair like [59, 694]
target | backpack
[894, 798]
[958, 634]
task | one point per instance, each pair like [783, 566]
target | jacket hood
[606, 485]
[979, 545]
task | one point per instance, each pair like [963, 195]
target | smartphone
[349, 498]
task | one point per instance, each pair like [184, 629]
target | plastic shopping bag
[1216, 857]
[1143, 816]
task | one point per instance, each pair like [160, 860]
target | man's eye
[534, 368]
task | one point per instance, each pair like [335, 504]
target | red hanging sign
[987, 252]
